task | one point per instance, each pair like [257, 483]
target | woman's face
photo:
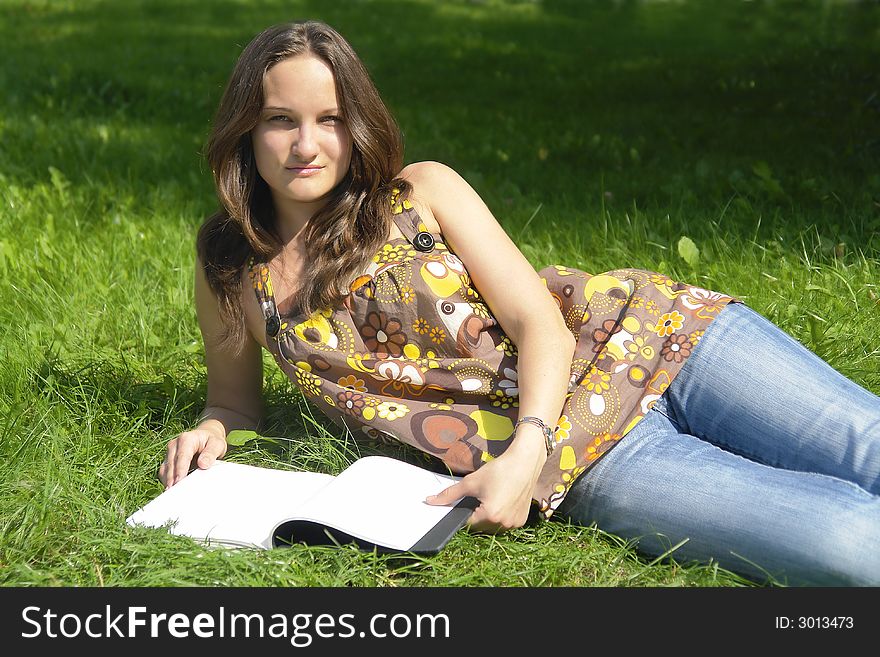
[301, 144]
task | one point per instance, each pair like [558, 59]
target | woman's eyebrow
[277, 108]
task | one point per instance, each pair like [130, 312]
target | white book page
[231, 503]
[381, 500]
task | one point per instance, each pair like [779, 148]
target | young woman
[398, 305]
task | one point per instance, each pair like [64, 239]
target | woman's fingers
[178, 458]
[166, 469]
[214, 449]
[449, 495]
[501, 507]
[481, 520]
[189, 449]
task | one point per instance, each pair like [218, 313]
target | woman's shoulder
[434, 185]
[429, 176]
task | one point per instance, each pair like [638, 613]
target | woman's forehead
[303, 81]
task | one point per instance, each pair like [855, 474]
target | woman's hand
[198, 447]
[503, 486]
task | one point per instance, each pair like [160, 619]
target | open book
[377, 503]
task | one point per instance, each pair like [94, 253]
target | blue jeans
[759, 455]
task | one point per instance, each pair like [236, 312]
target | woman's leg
[661, 487]
[751, 389]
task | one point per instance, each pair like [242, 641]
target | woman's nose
[305, 147]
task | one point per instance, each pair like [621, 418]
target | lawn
[600, 134]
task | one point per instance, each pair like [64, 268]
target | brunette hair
[349, 229]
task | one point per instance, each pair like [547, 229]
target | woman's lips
[304, 171]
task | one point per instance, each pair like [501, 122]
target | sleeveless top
[415, 354]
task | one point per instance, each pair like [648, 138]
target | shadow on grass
[111, 397]
[556, 101]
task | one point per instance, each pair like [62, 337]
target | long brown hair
[356, 219]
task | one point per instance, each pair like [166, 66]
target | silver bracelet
[547, 431]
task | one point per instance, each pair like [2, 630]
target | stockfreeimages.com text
[301, 629]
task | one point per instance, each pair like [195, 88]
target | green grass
[599, 133]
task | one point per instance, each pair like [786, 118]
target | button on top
[424, 241]
[273, 326]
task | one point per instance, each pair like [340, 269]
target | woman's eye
[279, 117]
[332, 120]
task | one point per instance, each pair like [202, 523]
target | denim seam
[721, 444]
[671, 419]
[749, 455]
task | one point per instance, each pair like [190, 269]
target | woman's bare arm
[521, 303]
[234, 397]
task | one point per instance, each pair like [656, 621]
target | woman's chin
[302, 195]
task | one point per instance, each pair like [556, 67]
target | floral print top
[415, 354]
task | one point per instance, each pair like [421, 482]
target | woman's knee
[846, 550]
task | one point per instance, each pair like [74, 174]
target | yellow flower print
[669, 323]
[639, 345]
[392, 253]
[356, 362]
[660, 279]
[563, 429]
[652, 307]
[479, 308]
[260, 279]
[391, 410]
[352, 383]
[500, 400]
[308, 383]
[404, 252]
[506, 346]
[396, 207]
[596, 380]
[438, 335]
[429, 361]
[569, 477]
[600, 445]
[317, 330]
[421, 326]
[637, 302]
[407, 294]
[468, 291]
[696, 336]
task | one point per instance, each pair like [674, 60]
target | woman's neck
[293, 217]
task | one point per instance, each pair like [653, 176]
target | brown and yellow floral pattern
[415, 354]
